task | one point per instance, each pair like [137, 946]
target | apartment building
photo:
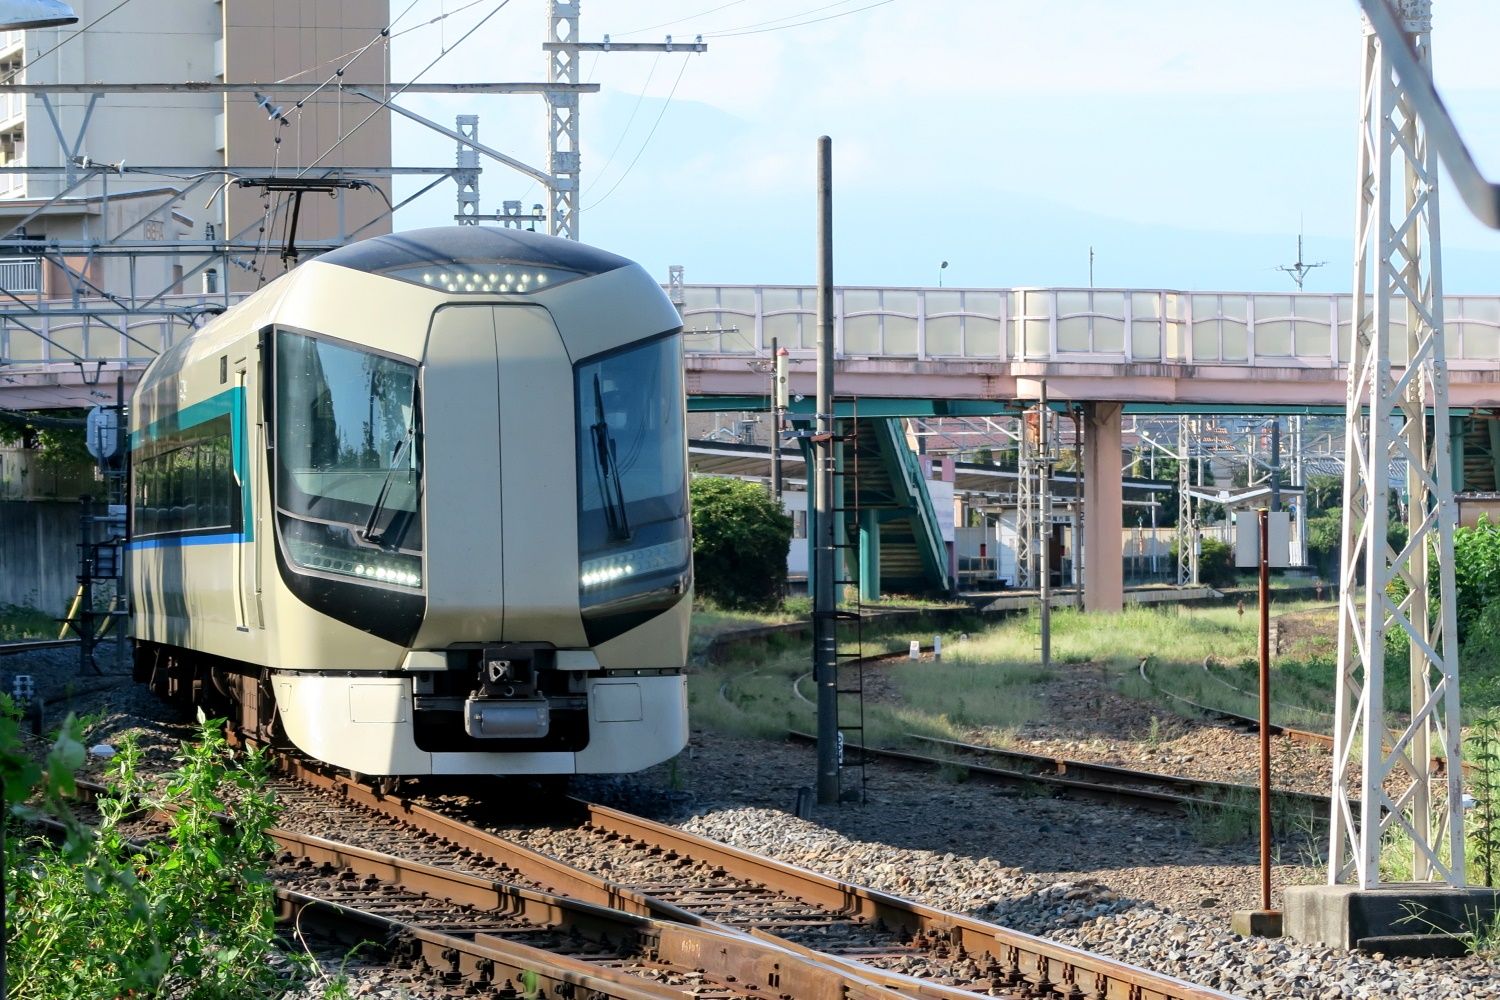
[177, 41]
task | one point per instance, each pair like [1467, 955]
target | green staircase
[1478, 447]
[894, 542]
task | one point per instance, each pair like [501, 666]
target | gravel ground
[1119, 882]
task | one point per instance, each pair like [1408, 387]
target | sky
[1185, 141]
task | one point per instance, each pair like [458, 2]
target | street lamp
[17, 14]
[941, 268]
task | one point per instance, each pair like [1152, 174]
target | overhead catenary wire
[679, 20]
[628, 122]
[42, 55]
[402, 89]
[665, 105]
[758, 29]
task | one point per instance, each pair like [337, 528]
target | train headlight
[395, 569]
[595, 574]
[515, 280]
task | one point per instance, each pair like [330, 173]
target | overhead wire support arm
[216, 87]
[697, 45]
[562, 49]
[541, 177]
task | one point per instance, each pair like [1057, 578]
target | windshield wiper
[609, 471]
[401, 518]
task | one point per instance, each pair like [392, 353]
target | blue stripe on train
[177, 541]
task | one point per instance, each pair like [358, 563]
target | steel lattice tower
[1397, 378]
[1187, 509]
[562, 119]
[1026, 507]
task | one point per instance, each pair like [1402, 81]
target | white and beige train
[420, 507]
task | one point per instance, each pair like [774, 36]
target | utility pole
[825, 591]
[1300, 269]
[1397, 267]
[563, 49]
[1044, 469]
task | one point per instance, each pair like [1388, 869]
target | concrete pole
[1044, 536]
[778, 380]
[825, 591]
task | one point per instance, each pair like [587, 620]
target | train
[419, 506]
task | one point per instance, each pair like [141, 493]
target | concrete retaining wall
[39, 553]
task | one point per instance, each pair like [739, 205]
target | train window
[185, 481]
[348, 460]
[633, 535]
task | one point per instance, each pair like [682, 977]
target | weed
[18, 622]
[1227, 821]
[1483, 752]
[1153, 731]
[193, 918]
[954, 773]
[1480, 934]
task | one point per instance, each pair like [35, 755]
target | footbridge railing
[1107, 325]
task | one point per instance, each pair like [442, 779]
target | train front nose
[493, 374]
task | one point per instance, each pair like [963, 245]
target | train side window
[184, 481]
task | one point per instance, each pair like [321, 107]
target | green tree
[1325, 493]
[740, 543]
[58, 437]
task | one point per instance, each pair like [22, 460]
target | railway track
[473, 933]
[30, 645]
[693, 918]
[1165, 793]
[663, 873]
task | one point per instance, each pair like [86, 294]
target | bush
[1215, 562]
[94, 917]
[740, 544]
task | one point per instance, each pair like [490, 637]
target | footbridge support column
[1103, 498]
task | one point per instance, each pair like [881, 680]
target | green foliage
[192, 917]
[1479, 662]
[1324, 536]
[1482, 751]
[1476, 571]
[25, 623]
[1325, 493]
[1215, 562]
[58, 436]
[740, 543]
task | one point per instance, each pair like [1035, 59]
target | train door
[249, 432]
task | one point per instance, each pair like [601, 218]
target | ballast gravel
[1132, 885]
[1119, 882]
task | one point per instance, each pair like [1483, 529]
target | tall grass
[18, 622]
[988, 683]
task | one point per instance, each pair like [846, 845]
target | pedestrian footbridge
[1144, 347]
[1166, 348]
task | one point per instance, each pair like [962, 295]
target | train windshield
[348, 454]
[632, 471]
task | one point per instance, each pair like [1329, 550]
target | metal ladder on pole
[849, 624]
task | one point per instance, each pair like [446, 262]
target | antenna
[1300, 269]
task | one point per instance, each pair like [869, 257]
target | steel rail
[738, 963]
[1250, 724]
[1021, 961]
[1028, 962]
[734, 964]
[1111, 774]
[27, 645]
